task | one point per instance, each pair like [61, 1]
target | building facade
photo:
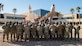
[41, 12]
[7, 17]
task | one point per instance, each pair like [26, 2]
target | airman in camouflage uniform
[33, 31]
[13, 30]
[52, 30]
[59, 29]
[70, 29]
[46, 31]
[19, 28]
[6, 31]
[40, 31]
[67, 32]
[77, 28]
[27, 31]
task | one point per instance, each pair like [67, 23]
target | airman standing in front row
[77, 28]
[67, 32]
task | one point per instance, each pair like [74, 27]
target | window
[60, 18]
[67, 18]
[10, 17]
[1, 16]
[55, 18]
[78, 16]
[19, 18]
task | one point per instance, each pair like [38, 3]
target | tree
[72, 11]
[14, 11]
[78, 10]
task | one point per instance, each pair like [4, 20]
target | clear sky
[62, 6]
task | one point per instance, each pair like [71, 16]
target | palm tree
[14, 11]
[78, 10]
[72, 11]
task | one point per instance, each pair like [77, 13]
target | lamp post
[1, 7]
[14, 11]
[78, 10]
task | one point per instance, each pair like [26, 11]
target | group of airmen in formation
[41, 30]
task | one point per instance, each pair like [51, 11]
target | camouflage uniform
[77, 28]
[40, 31]
[70, 29]
[59, 29]
[6, 31]
[33, 31]
[52, 30]
[19, 28]
[46, 31]
[27, 31]
[13, 30]
[67, 32]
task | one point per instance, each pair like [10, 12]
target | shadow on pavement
[48, 42]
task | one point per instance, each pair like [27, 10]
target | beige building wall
[5, 19]
[71, 20]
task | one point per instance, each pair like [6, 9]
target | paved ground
[42, 43]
